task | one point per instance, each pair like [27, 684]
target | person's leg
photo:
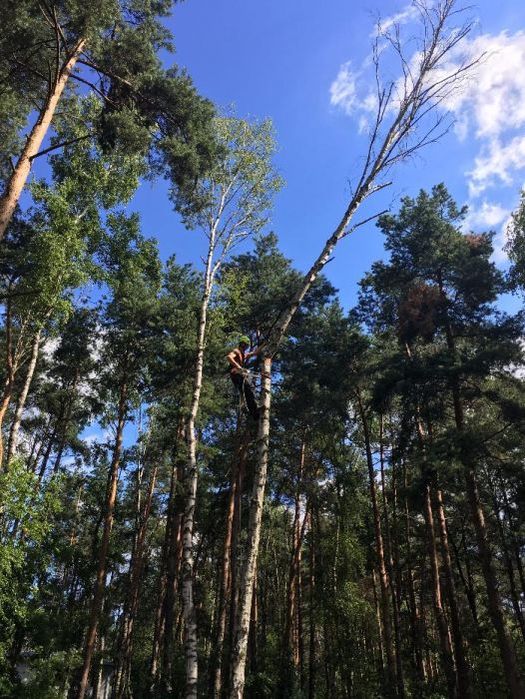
[251, 403]
[238, 381]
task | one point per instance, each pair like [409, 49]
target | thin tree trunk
[462, 666]
[123, 667]
[516, 548]
[10, 375]
[441, 622]
[416, 620]
[65, 422]
[466, 582]
[100, 584]
[390, 679]
[50, 444]
[226, 571]
[17, 419]
[508, 566]
[238, 668]
[312, 660]
[390, 560]
[191, 479]
[291, 631]
[20, 173]
[380, 630]
[170, 614]
[172, 533]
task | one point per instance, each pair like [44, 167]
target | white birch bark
[13, 437]
[191, 480]
[254, 533]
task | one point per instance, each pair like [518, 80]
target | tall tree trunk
[136, 566]
[10, 371]
[312, 660]
[238, 667]
[390, 679]
[171, 534]
[415, 614]
[291, 638]
[100, 584]
[466, 581]
[514, 596]
[225, 588]
[170, 603]
[462, 667]
[390, 559]
[17, 419]
[439, 612]
[20, 173]
[191, 478]
[515, 544]
[50, 445]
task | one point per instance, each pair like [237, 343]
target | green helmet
[244, 339]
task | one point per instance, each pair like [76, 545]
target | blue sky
[280, 59]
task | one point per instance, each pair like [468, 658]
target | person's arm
[251, 354]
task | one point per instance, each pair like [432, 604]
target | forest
[360, 532]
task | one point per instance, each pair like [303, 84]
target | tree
[110, 48]
[238, 193]
[400, 129]
[440, 287]
[133, 275]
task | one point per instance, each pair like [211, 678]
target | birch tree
[237, 195]
[410, 114]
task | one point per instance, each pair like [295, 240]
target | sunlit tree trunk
[238, 667]
[22, 168]
[190, 483]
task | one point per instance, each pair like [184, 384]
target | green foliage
[516, 245]
[28, 514]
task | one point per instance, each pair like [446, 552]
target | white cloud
[490, 107]
[347, 94]
[495, 96]
[497, 163]
[409, 13]
[343, 91]
[484, 217]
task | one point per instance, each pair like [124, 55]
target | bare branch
[363, 222]
[63, 144]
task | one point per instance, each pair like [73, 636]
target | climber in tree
[237, 359]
